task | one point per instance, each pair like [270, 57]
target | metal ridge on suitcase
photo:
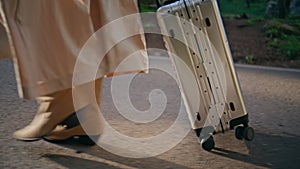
[198, 47]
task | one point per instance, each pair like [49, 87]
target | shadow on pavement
[272, 151]
[77, 163]
[101, 154]
[266, 150]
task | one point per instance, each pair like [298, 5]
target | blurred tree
[165, 2]
[148, 3]
[295, 7]
[277, 8]
[248, 3]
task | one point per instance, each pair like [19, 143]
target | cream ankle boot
[49, 115]
[37, 128]
[92, 126]
[63, 133]
[91, 120]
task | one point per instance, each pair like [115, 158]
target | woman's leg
[55, 108]
[52, 110]
[90, 122]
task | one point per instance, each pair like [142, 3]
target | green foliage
[284, 35]
[273, 33]
[249, 59]
[289, 45]
[293, 21]
[255, 20]
[238, 7]
[146, 9]
[147, 5]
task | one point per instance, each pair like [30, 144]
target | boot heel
[84, 140]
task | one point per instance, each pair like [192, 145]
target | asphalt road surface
[272, 98]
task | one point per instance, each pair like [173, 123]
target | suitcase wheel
[249, 133]
[208, 144]
[246, 133]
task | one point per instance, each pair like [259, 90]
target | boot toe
[24, 135]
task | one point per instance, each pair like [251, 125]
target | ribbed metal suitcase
[196, 40]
